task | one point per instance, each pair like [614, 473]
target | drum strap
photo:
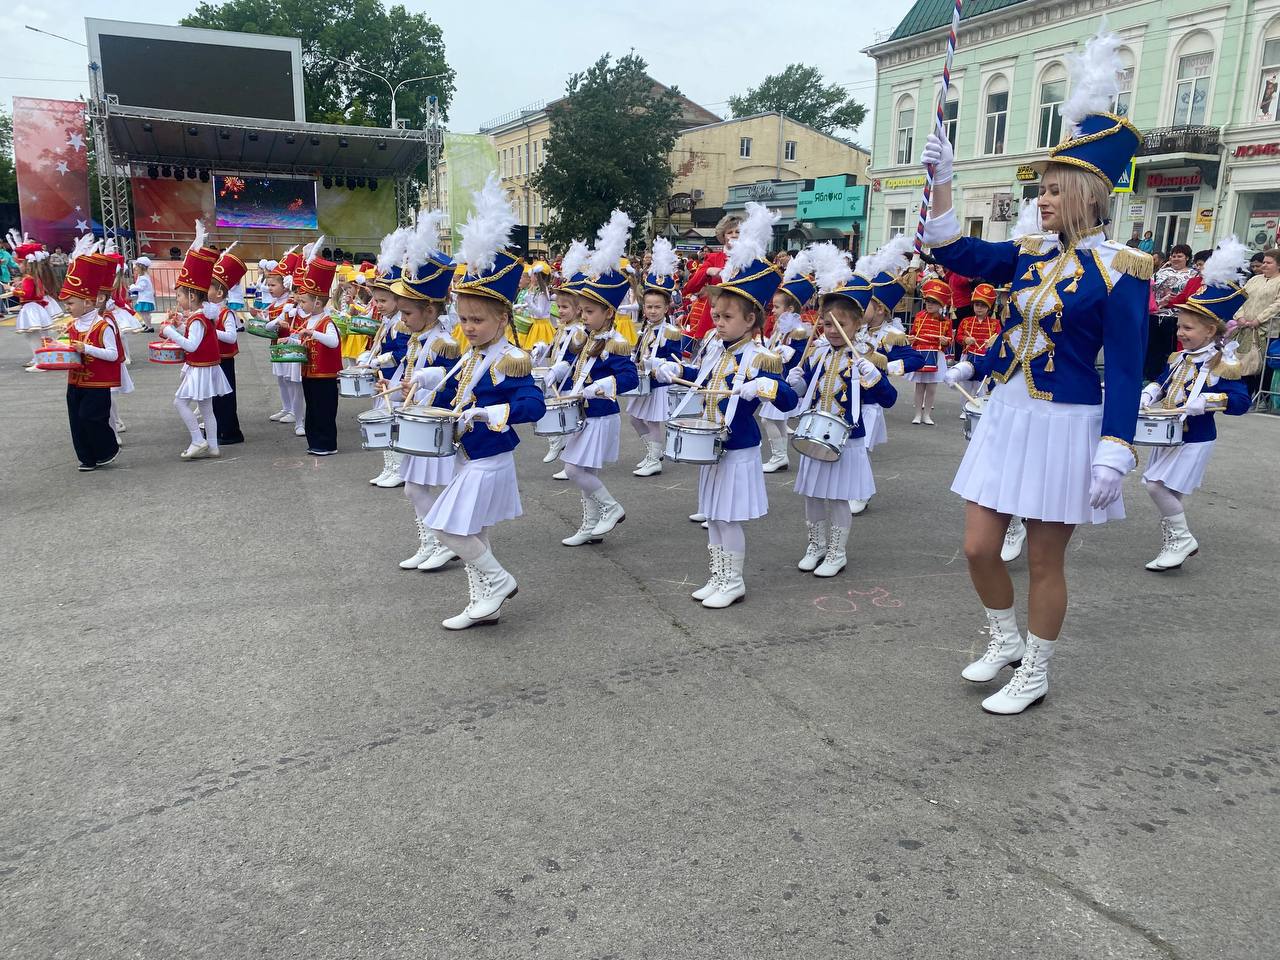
[704, 371]
[471, 374]
[739, 378]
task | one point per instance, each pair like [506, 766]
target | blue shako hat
[499, 282]
[386, 280]
[758, 281]
[1217, 302]
[1104, 146]
[800, 288]
[1221, 296]
[662, 284]
[884, 287]
[610, 288]
[430, 281]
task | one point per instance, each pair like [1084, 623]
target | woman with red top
[961, 295]
[698, 322]
[931, 335]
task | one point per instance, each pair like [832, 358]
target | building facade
[1201, 82]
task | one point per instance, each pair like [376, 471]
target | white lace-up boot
[1178, 544]
[1030, 682]
[386, 469]
[1005, 647]
[817, 548]
[427, 544]
[610, 513]
[489, 586]
[554, 446]
[835, 559]
[857, 506]
[716, 564]
[651, 465]
[393, 478]
[732, 587]
[441, 556]
[584, 533]
[1014, 539]
[778, 460]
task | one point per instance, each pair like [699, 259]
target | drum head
[374, 416]
[696, 424]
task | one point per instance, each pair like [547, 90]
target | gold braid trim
[767, 361]
[1224, 370]
[1128, 446]
[1134, 262]
[895, 338]
[878, 359]
[446, 347]
[515, 363]
[619, 347]
[1031, 243]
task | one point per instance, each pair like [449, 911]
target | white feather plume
[1028, 222]
[230, 248]
[575, 259]
[82, 245]
[1095, 79]
[753, 239]
[488, 228]
[262, 264]
[313, 251]
[611, 241]
[831, 267]
[110, 246]
[391, 253]
[14, 238]
[801, 265]
[664, 261]
[198, 242]
[1230, 259]
[891, 258]
[424, 241]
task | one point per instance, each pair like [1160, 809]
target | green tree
[8, 175]
[393, 42]
[801, 93]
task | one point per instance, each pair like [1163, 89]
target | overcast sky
[710, 50]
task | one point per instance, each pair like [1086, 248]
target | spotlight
[178, 174]
[204, 176]
[342, 142]
[359, 182]
[351, 183]
[315, 141]
[167, 170]
[373, 183]
[153, 171]
[146, 128]
[327, 181]
[224, 134]
[382, 144]
[290, 138]
[191, 172]
[192, 132]
[253, 138]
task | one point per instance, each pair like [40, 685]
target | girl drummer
[493, 390]
[731, 491]
[101, 357]
[34, 317]
[391, 342]
[598, 368]
[789, 338]
[931, 335]
[659, 341]
[1050, 447]
[280, 313]
[567, 329]
[1199, 380]
[228, 274]
[315, 330]
[978, 330]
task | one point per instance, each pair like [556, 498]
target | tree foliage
[395, 43]
[611, 136]
[8, 173]
[801, 93]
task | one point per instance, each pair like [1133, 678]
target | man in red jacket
[698, 321]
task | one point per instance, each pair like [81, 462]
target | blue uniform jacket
[615, 361]
[892, 343]
[395, 343]
[1180, 373]
[744, 432]
[881, 392]
[660, 342]
[508, 386]
[1065, 305]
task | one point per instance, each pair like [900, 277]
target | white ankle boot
[489, 586]
[817, 548]
[1178, 546]
[835, 559]
[651, 465]
[441, 556]
[610, 513]
[1005, 647]
[427, 544]
[779, 459]
[716, 563]
[1014, 538]
[386, 469]
[554, 447]
[858, 506]
[732, 587]
[393, 478]
[1030, 682]
[584, 533]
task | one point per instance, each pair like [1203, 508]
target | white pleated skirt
[428, 471]
[1034, 458]
[481, 493]
[32, 318]
[873, 422]
[289, 371]
[651, 408]
[126, 381]
[848, 478]
[733, 489]
[596, 444]
[128, 322]
[1179, 468]
[936, 377]
[202, 383]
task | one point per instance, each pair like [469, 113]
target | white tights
[776, 431]
[1168, 502]
[422, 496]
[291, 397]
[730, 534]
[924, 396]
[817, 510]
[193, 425]
[586, 479]
[655, 430]
[470, 549]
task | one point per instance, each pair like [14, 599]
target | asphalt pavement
[232, 727]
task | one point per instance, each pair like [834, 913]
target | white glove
[596, 391]
[961, 372]
[939, 155]
[895, 368]
[787, 352]
[1151, 393]
[667, 371]
[428, 378]
[539, 353]
[558, 371]
[470, 416]
[795, 379]
[1105, 488]
[1195, 406]
[749, 390]
[364, 358]
[867, 370]
[1229, 352]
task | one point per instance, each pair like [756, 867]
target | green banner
[469, 159]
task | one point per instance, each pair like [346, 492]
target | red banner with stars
[53, 170]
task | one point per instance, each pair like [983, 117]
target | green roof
[928, 15]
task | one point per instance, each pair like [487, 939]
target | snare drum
[694, 440]
[356, 382]
[165, 351]
[362, 326]
[540, 376]
[675, 400]
[1158, 429]
[288, 353]
[821, 436]
[930, 361]
[564, 416]
[424, 431]
[53, 355]
[643, 388]
[375, 429]
[973, 411]
[256, 327]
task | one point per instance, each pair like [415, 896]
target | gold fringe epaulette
[800, 333]
[766, 361]
[894, 338]
[1172, 357]
[515, 363]
[1032, 243]
[1134, 262]
[619, 347]
[671, 332]
[446, 347]
[1223, 370]
[578, 341]
[878, 360]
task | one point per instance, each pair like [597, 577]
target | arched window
[1123, 101]
[951, 116]
[904, 131]
[1268, 102]
[1052, 91]
[1194, 65]
[995, 120]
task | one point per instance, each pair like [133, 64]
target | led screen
[264, 203]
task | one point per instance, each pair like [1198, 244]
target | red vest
[982, 330]
[207, 354]
[275, 311]
[928, 331]
[32, 291]
[322, 361]
[226, 349]
[96, 373]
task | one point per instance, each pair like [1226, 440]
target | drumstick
[843, 336]
[697, 389]
[968, 396]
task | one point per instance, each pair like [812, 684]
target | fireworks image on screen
[231, 187]
[262, 203]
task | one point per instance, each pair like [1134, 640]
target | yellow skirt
[465, 344]
[354, 344]
[540, 331]
[622, 323]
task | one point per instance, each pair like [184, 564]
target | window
[1053, 91]
[897, 223]
[1269, 82]
[744, 147]
[997, 116]
[973, 227]
[1191, 86]
[904, 136]
[1124, 97]
[535, 155]
[789, 150]
[951, 120]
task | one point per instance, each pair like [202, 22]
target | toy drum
[565, 415]
[257, 328]
[694, 440]
[165, 351]
[930, 361]
[643, 388]
[53, 355]
[973, 411]
[356, 382]
[1162, 429]
[675, 401]
[375, 429]
[424, 431]
[362, 326]
[288, 353]
[540, 376]
[821, 436]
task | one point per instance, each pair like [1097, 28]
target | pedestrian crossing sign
[1125, 183]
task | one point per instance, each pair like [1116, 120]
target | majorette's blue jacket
[614, 363]
[761, 365]
[1223, 390]
[879, 391]
[507, 387]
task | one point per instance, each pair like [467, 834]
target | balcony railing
[1185, 139]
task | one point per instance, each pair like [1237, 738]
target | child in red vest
[931, 335]
[317, 331]
[228, 273]
[101, 355]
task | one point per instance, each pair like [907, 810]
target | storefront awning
[800, 232]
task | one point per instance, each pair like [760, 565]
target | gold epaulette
[878, 359]
[446, 347]
[619, 347]
[515, 363]
[802, 332]
[894, 338]
[578, 341]
[671, 332]
[1172, 357]
[1134, 262]
[766, 361]
[1032, 243]
[1225, 370]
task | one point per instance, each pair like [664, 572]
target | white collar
[86, 320]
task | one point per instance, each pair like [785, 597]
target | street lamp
[394, 89]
